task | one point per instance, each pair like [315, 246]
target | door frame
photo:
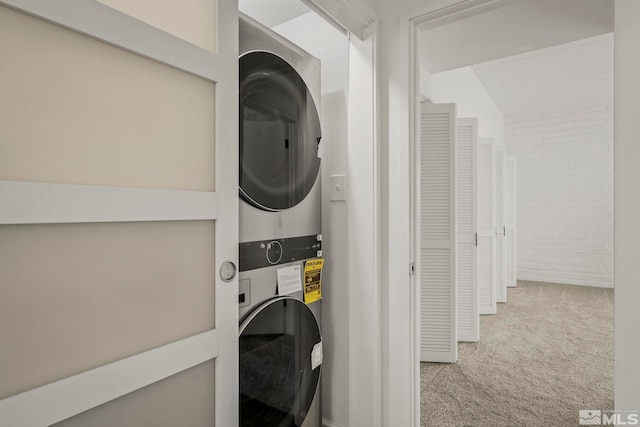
[364, 213]
[417, 24]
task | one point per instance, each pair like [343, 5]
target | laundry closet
[292, 260]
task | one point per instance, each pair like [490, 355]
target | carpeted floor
[545, 355]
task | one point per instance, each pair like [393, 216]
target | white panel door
[437, 231]
[501, 278]
[511, 221]
[468, 306]
[486, 237]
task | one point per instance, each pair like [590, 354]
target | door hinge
[476, 239]
[504, 230]
[412, 269]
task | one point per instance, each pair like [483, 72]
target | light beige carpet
[545, 355]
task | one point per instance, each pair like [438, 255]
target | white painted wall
[463, 87]
[565, 194]
[627, 205]
[319, 38]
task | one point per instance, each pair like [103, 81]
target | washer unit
[279, 228]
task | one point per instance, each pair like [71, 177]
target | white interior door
[501, 282]
[486, 226]
[467, 295]
[118, 209]
[437, 231]
[510, 222]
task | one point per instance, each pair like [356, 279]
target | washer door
[277, 382]
[279, 133]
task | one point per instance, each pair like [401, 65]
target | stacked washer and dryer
[279, 228]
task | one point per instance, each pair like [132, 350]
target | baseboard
[593, 285]
[327, 423]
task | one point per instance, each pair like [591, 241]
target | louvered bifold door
[501, 277]
[486, 226]
[436, 194]
[468, 307]
[510, 221]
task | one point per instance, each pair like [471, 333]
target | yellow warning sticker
[312, 280]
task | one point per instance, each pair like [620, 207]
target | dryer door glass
[277, 382]
[279, 133]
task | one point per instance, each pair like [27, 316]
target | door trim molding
[59, 400]
[227, 385]
[455, 12]
[101, 22]
[355, 16]
[40, 203]
[365, 379]
[512, 162]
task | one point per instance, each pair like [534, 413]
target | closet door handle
[228, 271]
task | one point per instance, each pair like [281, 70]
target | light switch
[338, 188]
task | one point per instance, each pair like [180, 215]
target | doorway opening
[549, 102]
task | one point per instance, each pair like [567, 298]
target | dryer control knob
[274, 252]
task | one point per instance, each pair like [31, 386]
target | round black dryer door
[277, 379]
[279, 133]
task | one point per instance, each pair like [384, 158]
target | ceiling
[519, 26]
[529, 54]
[273, 12]
[574, 75]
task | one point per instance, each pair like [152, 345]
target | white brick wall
[565, 195]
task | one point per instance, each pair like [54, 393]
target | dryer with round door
[279, 136]
[280, 339]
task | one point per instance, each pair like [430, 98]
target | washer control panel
[266, 253]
